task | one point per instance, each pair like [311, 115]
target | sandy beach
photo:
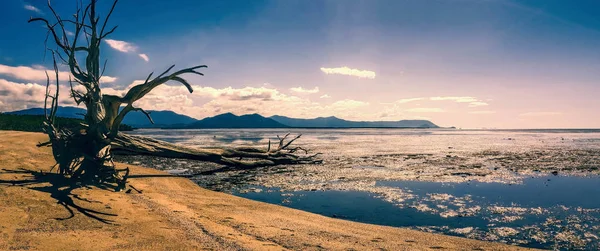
[40, 212]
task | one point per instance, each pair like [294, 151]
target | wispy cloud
[473, 101]
[121, 46]
[325, 96]
[349, 72]
[482, 112]
[408, 100]
[302, 90]
[126, 47]
[477, 104]
[144, 57]
[425, 110]
[32, 8]
[455, 99]
[539, 114]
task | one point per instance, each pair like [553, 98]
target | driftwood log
[86, 153]
[237, 158]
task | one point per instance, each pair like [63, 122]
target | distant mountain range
[327, 122]
[229, 120]
[63, 112]
[169, 119]
[161, 119]
[135, 119]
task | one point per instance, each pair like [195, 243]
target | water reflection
[530, 214]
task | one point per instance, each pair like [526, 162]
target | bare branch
[108, 33]
[77, 95]
[56, 52]
[162, 74]
[46, 96]
[281, 141]
[62, 26]
[140, 90]
[184, 82]
[103, 68]
[298, 148]
[51, 30]
[145, 113]
[55, 99]
[102, 35]
[148, 78]
[290, 142]
[74, 22]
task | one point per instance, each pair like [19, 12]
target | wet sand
[39, 212]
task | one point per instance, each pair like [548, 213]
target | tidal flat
[533, 188]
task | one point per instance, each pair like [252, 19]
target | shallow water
[535, 188]
[539, 213]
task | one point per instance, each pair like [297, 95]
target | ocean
[532, 188]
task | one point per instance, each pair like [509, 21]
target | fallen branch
[237, 158]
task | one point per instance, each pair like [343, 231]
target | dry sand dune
[39, 212]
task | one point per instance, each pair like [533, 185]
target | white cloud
[325, 96]
[144, 57]
[473, 101]
[408, 100]
[15, 96]
[126, 47]
[209, 101]
[241, 94]
[482, 112]
[477, 104]
[455, 99]
[245, 100]
[37, 73]
[350, 72]
[121, 46]
[18, 96]
[203, 102]
[539, 114]
[425, 110]
[32, 8]
[69, 33]
[107, 79]
[302, 90]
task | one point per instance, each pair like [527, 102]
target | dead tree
[85, 154]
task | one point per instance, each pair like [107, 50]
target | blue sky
[465, 63]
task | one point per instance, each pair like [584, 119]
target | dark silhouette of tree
[86, 154]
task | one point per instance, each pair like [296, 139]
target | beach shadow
[59, 188]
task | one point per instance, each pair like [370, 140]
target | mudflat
[39, 210]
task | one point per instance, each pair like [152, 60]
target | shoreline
[171, 213]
